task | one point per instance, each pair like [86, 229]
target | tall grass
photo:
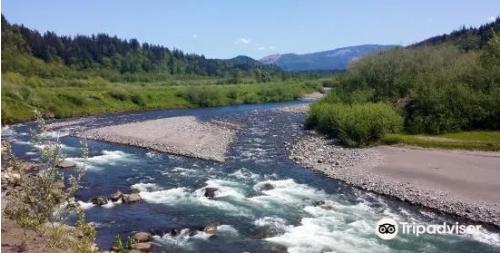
[60, 98]
[355, 125]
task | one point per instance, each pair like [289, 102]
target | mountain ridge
[335, 59]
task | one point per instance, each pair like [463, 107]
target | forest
[113, 57]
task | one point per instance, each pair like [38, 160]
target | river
[252, 216]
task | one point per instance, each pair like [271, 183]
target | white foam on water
[243, 173]
[152, 154]
[7, 131]
[112, 204]
[286, 191]
[55, 134]
[183, 196]
[225, 188]
[277, 224]
[21, 142]
[146, 187]
[85, 205]
[110, 157]
[173, 196]
[428, 214]
[107, 157]
[484, 236]
[227, 230]
[325, 231]
[183, 171]
[184, 240]
[202, 235]
[180, 240]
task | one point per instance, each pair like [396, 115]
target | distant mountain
[246, 63]
[336, 59]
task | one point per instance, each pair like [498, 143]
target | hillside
[447, 83]
[112, 57]
[471, 38]
[63, 76]
[337, 59]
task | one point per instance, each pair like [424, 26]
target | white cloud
[492, 18]
[243, 40]
[195, 36]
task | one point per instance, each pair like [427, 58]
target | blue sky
[225, 28]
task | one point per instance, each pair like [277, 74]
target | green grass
[472, 140]
[62, 98]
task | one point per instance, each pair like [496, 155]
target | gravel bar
[460, 183]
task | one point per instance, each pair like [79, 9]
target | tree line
[102, 51]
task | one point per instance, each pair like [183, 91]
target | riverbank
[81, 98]
[462, 183]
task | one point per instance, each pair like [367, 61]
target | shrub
[203, 96]
[138, 99]
[355, 125]
[44, 200]
[74, 99]
[118, 95]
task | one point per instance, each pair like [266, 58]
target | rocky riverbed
[362, 168]
[258, 200]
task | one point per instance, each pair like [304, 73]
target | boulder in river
[210, 228]
[142, 237]
[267, 187]
[116, 196]
[130, 198]
[323, 204]
[318, 203]
[175, 231]
[142, 246]
[210, 192]
[99, 200]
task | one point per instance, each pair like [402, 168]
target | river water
[251, 215]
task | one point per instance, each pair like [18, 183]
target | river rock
[99, 200]
[210, 192]
[267, 187]
[116, 196]
[175, 231]
[142, 246]
[318, 203]
[135, 190]
[142, 237]
[66, 164]
[210, 228]
[130, 198]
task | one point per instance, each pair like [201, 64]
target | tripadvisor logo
[387, 228]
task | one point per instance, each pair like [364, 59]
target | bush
[203, 96]
[137, 99]
[74, 99]
[355, 125]
[118, 95]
